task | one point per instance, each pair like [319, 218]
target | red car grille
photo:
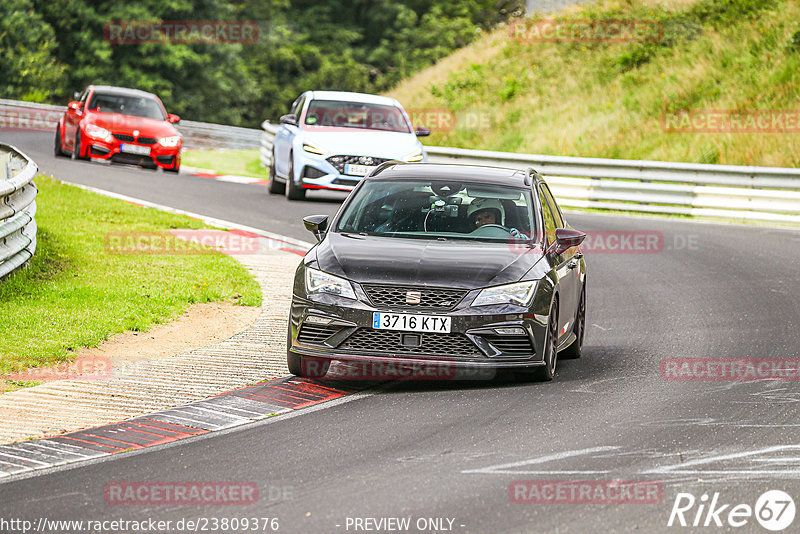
[125, 138]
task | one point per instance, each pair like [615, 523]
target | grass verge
[611, 99]
[75, 294]
[223, 161]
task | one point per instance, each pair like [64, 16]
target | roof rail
[530, 172]
[385, 165]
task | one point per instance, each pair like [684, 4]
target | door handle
[572, 264]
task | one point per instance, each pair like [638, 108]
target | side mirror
[76, 95]
[567, 238]
[174, 119]
[74, 105]
[290, 119]
[422, 131]
[317, 225]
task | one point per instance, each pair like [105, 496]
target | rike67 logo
[774, 510]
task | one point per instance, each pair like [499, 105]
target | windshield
[435, 209]
[356, 115]
[136, 106]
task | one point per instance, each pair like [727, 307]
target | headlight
[97, 132]
[520, 294]
[319, 282]
[414, 157]
[308, 147]
[172, 140]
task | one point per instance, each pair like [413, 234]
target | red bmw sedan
[122, 125]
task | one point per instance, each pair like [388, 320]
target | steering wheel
[491, 227]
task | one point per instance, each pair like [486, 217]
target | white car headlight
[414, 157]
[92, 130]
[320, 282]
[308, 147]
[520, 293]
[172, 140]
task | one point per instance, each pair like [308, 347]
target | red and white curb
[234, 408]
[233, 178]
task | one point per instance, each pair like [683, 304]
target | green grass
[238, 162]
[75, 294]
[608, 99]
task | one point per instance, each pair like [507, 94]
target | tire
[546, 372]
[58, 150]
[293, 192]
[275, 187]
[307, 367]
[575, 351]
[76, 150]
[176, 170]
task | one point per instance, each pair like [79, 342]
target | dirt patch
[202, 325]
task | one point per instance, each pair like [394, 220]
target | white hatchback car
[331, 140]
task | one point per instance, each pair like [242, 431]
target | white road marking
[507, 469]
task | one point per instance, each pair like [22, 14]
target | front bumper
[164, 157]
[472, 344]
[314, 171]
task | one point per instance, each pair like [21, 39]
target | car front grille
[315, 334]
[126, 138]
[339, 162]
[389, 342]
[405, 297]
[511, 345]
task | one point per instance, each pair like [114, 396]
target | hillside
[740, 58]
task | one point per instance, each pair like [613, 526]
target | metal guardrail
[728, 191]
[17, 209]
[20, 115]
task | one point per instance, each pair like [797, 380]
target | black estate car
[441, 265]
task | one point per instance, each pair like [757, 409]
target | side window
[557, 217]
[83, 96]
[549, 222]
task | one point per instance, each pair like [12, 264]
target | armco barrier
[17, 210]
[728, 191]
[44, 117]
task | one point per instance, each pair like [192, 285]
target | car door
[284, 138]
[560, 265]
[72, 119]
[570, 279]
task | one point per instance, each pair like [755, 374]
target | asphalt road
[451, 450]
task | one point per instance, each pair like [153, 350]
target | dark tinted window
[558, 218]
[136, 106]
[549, 221]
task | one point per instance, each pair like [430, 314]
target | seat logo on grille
[413, 297]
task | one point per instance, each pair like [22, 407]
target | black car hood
[453, 263]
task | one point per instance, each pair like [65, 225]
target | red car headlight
[170, 141]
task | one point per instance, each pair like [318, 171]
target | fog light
[511, 331]
[313, 319]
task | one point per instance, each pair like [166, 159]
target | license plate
[135, 149]
[411, 323]
[358, 170]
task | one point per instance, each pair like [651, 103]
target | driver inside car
[484, 211]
